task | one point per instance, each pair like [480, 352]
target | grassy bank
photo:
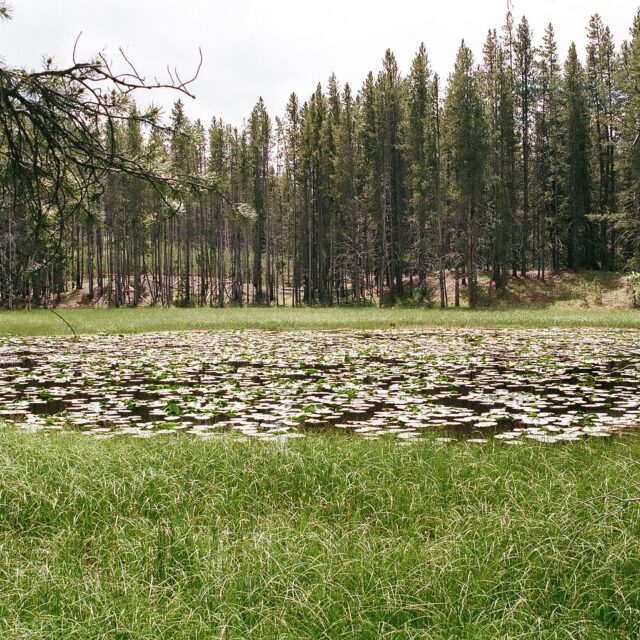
[326, 538]
[42, 322]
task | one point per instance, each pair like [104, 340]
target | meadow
[180, 538]
[146, 319]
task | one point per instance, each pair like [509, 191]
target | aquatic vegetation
[549, 385]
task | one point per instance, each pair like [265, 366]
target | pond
[549, 385]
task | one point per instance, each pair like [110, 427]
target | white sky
[254, 48]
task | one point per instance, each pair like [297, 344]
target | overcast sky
[253, 48]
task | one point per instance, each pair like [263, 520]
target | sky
[253, 48]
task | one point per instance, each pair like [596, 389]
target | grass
[129, 320]
[324, 538]
[566, 289]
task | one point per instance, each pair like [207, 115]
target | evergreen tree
[628, 183]
[292, 177]
[389, 115]
[601, 61]
[260, 136]
[183, 164]
[373, 191]
[575, 124]
[420, 160]
[350, 228]
[548, 137]
[501, 180]
[467, 150]
[525, 92]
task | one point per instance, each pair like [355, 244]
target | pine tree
[501, 180]
[467, 150]
[389, 103]
[629, 175]
[260, 136]
[292, 176]
[183, 161]
[374, 189]
[134, 196]
[421, 196]
[525, 91]
[575, 124]
[548, 136]
[350, 241]
[601, 62]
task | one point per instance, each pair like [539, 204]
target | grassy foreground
[42, 322]
[323, 538]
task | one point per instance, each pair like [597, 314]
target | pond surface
[549, 385]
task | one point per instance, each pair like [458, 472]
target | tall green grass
[321, 538]
[42, 322]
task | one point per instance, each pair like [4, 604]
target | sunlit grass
[42, 322]
[324, 538]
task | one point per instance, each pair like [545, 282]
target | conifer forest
[524, 161]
